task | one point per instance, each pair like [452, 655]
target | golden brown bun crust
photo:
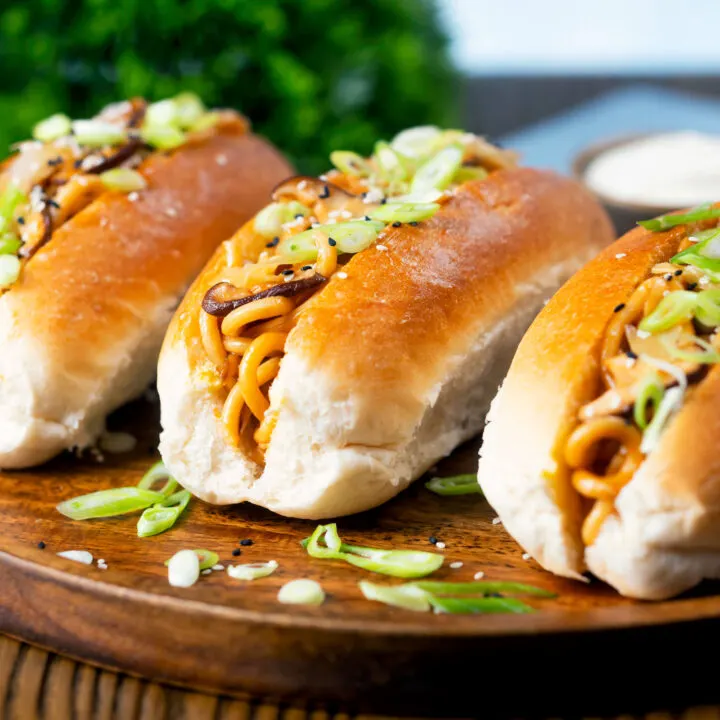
[82, 327]
[555, 371]
[402, 309]
[118, 252]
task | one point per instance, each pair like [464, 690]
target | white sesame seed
[479, 575]
[496, 521]
[456, 565]
[206, 572]
[133, 196]
[620, 256]
[221, 159]
[218, 567]
[381, 248]
[526, 556]
[440, 545]
[342, 275]
[101, 561]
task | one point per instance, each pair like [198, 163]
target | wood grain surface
[233, 638]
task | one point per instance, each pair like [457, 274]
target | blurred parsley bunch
[312, 75]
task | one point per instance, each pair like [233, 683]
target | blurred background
[321, 74]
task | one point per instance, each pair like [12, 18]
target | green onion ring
[404, 212]
[483, 587]
[156, 473]
[708, 307]
[350, 163]
[707, 356]
[9, 243]
[673, 309]
[477, 606]
[405, 596]
[697, 214]
[650, 390]
[109, 503]
[438, 172]
[456, 485]
[52, 128]
[163, 515]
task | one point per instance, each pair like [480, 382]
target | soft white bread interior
[81, 330]
[391, 367]
[664, 537]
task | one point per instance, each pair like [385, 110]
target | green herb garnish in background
[455, 598]
[456, 485]
[398, 563]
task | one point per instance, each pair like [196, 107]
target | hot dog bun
[391, 367]
[662, 538]
[81, 330]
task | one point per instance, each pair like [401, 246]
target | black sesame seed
[246, 542]
[678, 273]
[631, 355]
[21, 221]
[368, 218]
[41, 545]
[331, 242]
[619, 307]
[492, 595]
[414, 223]
[433, 539]
[397, 224]
[288, 272]
[273, 242]
[325, 193]
[77, 163]
[669, 277]
[383, 201]
[236, 552]
[306, 267]
[299, 216]
[691, 286]
[54, 204]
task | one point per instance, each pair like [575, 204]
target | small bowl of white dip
[641, 176]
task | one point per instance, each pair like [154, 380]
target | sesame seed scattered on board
[440, 545]
[456, 565]
[479, 575]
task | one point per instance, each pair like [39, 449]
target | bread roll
[659, 537]
[82, 327]
[393, 361]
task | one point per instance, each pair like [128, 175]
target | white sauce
[667, 171]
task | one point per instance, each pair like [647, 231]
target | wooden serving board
[234, 637]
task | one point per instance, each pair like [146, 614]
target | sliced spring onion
[483, 587]
[269, 221]
[252, 571]
[301, 592]
[673, 309]
[668, 406]
[189, 109]
[9, 270]
[697, 214]
[81, 556]
[404, 212]
[465, 174]
[417, 141]
[708, 307]
[183, 568]
[109, 503]
[477, 606]
[161, 113]
[163, 137]
[650, 391]
[96, 133]
[52, 128]
[123, 180]
[456, 485]
[393, 167]
[158, 472]
[438, 172]
[163, 515]
[398, 563]
[405, 596]
[707, 355]
[705, 253]
[205, 122]
[350, 163]
[10, 199]
[350, 237]
[427, 196]
[207, 558]
[9, 243]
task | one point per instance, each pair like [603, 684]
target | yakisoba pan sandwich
[349, 336]
[103, 225]
[613, 399]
